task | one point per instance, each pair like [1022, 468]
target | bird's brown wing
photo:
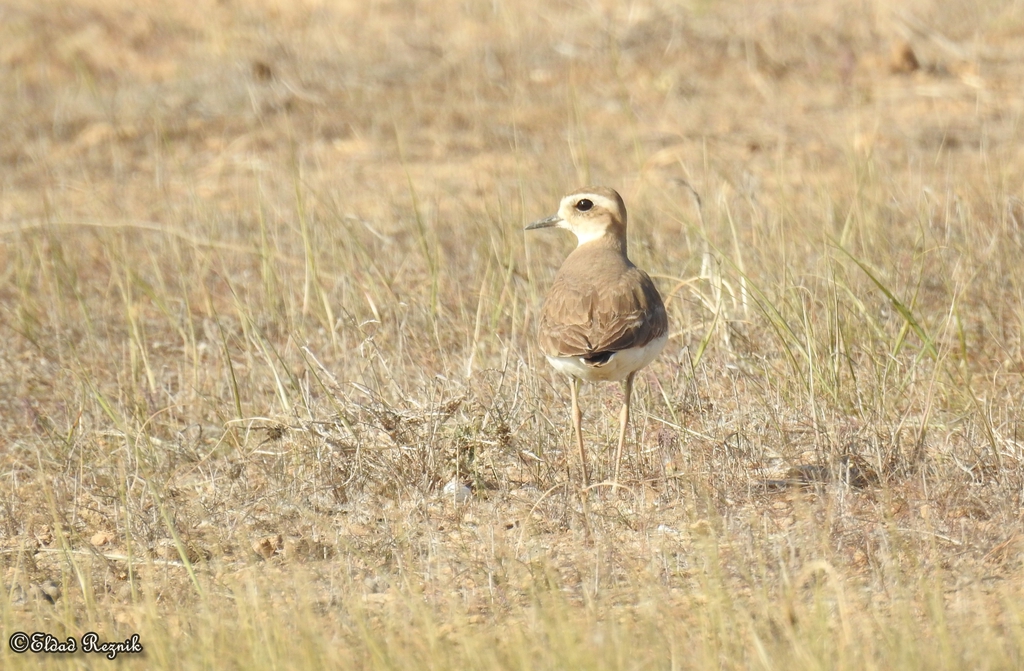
[583, 318]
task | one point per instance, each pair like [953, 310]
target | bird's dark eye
[584, 205]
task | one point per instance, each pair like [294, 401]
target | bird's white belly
[621, 364]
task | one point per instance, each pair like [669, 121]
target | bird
[603, 318]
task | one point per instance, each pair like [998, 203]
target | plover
[603, 319]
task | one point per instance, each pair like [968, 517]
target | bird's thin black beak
[553, 220]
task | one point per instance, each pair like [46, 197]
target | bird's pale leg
[627, 391]
[577, 424]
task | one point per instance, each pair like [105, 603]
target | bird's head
[591, 213]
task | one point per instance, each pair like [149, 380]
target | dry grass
[264, 292]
